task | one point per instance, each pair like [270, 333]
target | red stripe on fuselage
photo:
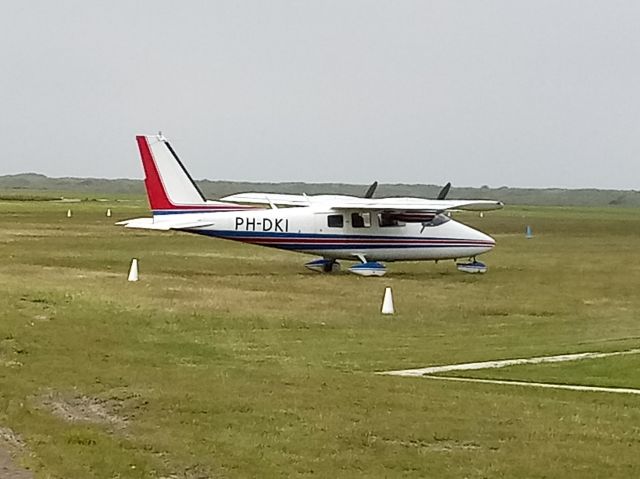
[283, 240]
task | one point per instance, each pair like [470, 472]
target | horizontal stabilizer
[150, 224]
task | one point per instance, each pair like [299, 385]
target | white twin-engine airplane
[334, 227]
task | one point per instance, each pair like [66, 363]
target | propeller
[433, 221]
[444, 191]
[371, 190]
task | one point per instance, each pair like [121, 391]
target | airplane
[334, 227]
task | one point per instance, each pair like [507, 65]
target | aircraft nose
[490, 241]
[481, 242]
[486, 241]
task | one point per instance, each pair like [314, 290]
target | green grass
[617, 371]
[228, 360]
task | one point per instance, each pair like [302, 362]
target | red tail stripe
[156, 193]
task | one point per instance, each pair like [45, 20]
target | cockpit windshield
[437, 220]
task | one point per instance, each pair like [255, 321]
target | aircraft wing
[149, 224]
[341, 202]
[268, 199]
[416, 204]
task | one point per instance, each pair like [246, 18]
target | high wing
[269, 199]
[416, 204]
[339, 202]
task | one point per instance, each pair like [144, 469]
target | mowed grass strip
[228, 360]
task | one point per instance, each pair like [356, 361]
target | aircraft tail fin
[170, 188]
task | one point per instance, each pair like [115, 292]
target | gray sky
[538, 93]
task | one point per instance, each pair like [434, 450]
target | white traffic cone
[108, 212]
[133, 271]
[387, 302]
[68, 213]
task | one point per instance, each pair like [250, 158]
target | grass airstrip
[228, 360]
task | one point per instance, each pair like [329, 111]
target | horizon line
[381, 183]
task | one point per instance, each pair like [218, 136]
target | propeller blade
[371, 190]
[444, 192]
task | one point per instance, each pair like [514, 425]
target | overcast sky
[537, 93]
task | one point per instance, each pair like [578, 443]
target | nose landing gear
[473, 266]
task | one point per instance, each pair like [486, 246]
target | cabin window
[335, 221]
[361, 220]
[386, 219]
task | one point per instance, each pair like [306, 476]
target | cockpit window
[437, 220]
[361, 220]
[335, 221]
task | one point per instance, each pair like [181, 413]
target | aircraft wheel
[331, 267]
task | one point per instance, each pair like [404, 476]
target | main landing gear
[374, 268]
[364, 268]
[324, 265]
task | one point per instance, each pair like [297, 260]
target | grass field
[228, 360]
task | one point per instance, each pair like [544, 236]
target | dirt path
[8, 468]
[10, 443]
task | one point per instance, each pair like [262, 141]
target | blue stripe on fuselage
[292, 241]
[271, 234]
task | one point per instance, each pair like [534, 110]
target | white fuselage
[308, 230]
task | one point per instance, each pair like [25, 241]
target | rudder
[169, 185]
